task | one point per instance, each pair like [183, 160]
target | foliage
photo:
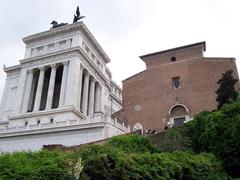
[132, 143]
[34, 165]
[123, 157]
[219, 132]
[226, 92]
[195, 129]
[174, 139]
[105, 162]
[134, 157]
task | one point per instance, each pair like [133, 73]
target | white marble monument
[60, 93]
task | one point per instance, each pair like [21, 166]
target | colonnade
[46, 88]
[91, 94]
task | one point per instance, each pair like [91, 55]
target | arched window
[179, 114]
[138, 128]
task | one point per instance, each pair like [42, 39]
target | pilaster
[73, 82]
[27, 90]
[21, 90]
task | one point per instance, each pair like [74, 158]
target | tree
[226, 92]
[218, 133]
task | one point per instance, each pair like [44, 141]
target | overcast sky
[126, 29]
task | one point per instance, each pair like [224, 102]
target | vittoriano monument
[61, 92]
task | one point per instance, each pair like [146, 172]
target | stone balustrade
[70, 122]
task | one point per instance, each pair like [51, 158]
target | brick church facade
[177, 84]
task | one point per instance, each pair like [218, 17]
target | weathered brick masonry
[152, 99]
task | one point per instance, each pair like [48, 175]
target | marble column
[63, 84]
[98, 98]
[91, 97]
[80, 86]
[28, 90]
[85, 93]
[51, 86]
[39, 89]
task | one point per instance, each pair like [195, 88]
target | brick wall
[149, 95]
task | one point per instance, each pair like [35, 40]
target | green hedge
[123, 157]
[134, 157]
[110, 163]
[34, 165]
[132, 143]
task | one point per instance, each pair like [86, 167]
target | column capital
[30, 70]
[87, 73]
[81, 66]
[41, 68]
[53, 65]
[98, 84]
[93, 79]
[65, 62]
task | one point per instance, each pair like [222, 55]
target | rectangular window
[179, 121]
[176, 82]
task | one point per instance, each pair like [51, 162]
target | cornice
[11, 68]
[52, 32]
[3, 122]
[116, 85]
[96, 45]
[67, 29]
[116, 98]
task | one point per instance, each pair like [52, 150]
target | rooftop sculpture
[55, 24]
[77, 17]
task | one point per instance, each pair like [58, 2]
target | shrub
[173, 139]
[219, 132]
[34, 165]
[132, 143]
[112, 163]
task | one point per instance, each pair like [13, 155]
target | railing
[70, 122]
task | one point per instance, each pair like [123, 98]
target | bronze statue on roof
[77, 16]
[55, 24]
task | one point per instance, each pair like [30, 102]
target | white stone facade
[60, 93]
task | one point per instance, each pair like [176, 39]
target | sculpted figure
[55, 24]
[77, 16]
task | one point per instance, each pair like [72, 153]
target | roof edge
[203, 43]
[134, 75]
